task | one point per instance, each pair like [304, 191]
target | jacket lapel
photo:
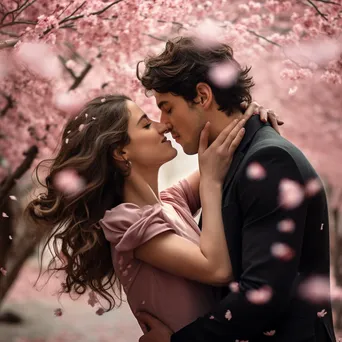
[252, 126]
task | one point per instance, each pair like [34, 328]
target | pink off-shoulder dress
[173, 300]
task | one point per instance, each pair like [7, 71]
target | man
[277, 240]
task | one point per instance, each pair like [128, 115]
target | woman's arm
[209, 262]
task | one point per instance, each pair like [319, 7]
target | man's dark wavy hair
[184, 63]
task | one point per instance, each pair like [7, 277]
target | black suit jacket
[251, 213]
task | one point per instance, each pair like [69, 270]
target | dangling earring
[128, 163]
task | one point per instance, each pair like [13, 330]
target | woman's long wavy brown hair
[79, 247]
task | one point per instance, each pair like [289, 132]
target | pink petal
[223, 74]
[69, 102]
[228, 315]
[322, 226]
[255, 171]
[40, 59]
[100, 311]
[286, 226]
[291, 194]
[81, 126]
[92, 300]
[125, 273]
[103, 100]
[69, 182]
[143, 302]
[3, 271]
[270, 333]
[13, 198]
[321, 314]
[10, 237]
[282, 251]
[293, 90]
[260, 296]
[234, 287]
[315, 289]
[58, 312]
[4, 215]
[211, 317]
[313, 187]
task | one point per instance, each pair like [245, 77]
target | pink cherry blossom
[291, 194]
[39, 58]
[255, 171]
[13, 198]
[282, 251]
[3, 271]
[5, 215]
[286, 226]
[58, 312]
[69, 182]
[211, 317]
[260, 296]
[228, 315]
[270, 333]
[69, 102]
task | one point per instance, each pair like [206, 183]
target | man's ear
[204, 95]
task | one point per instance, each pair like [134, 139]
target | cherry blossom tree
[54, 55]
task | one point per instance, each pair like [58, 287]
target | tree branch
[70, 71]
[317, 10]
[30, 154]
[9, 104]
[10, 34]
[22, 22]
[154, 37]
[329, 2]
[264, 38]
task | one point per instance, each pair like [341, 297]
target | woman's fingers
[236, 142]
[234, 127]
[253, 108]
[204, 139]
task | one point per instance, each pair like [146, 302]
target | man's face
[184, 120]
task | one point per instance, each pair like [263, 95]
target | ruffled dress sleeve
[182, 194]
[128, 226]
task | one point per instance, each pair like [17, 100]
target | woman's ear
[204, 95]
[119, 155]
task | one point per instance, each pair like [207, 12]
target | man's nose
[163, 128]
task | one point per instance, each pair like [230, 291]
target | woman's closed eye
[148, 126]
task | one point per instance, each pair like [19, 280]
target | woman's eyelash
[169, 111]
[147, 126]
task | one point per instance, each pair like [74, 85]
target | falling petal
[67, 140]
[80, 128]
[211, 317]
[92, 300]
[93, 118]
[86, 115]
[13, 198]
[223, 75]
[270, 333]
[68, 131]
[3, 271]
[234, 287]
[69, 103]
[291, 194]
[313, 187]
[322, 226]
[100, 311]
[10, 237]
[4, 215]
[282, 251]
[69, 182]
[286, 226]
[315, 289]
[125, 273]
[255, 171]
[143, 302]
[58, 312]
[103, 100]
[321, 314]
[293, 90]
[228, 315]
[260, 296]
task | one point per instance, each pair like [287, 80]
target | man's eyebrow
[162, 103]
[144, 116]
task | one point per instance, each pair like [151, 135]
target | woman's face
[148, 145]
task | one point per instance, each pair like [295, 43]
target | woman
[119, 218]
